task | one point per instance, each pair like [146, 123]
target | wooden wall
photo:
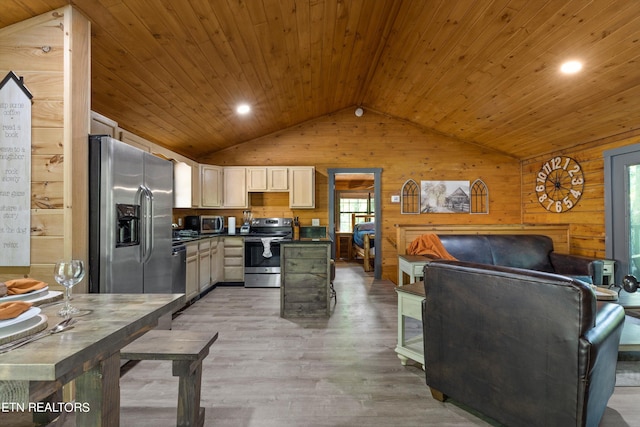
[586, 219]
[52, 53]
[401, 149]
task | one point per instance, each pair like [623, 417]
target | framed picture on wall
[444, 197]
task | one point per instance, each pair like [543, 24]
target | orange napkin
[429, 244]
[11, 309]
[23, 286]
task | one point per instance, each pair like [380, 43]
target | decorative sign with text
[15, 172]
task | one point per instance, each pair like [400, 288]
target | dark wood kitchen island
[305, 276]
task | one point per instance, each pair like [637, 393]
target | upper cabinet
[235, 193]
[267, 179]
[101, 125]
[223, 187]
[135, 140]
[229, 187]
[196, 176]
[211, 186]
[302, 187]
[181, 184]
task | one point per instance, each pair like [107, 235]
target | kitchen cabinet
[196, 176]
[204, 264]
[192, 280]
[135, 140]
[211, 186]
[217, 260]
[272, 178]
[101, 125]
[234, 185]
[302, 193]
[229, 187]
[233, 264]
[181, 184]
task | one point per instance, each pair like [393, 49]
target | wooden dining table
[89, 353]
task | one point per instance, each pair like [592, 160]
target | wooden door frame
[331, 172]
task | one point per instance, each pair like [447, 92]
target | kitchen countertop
[310, 240]
[180, 240]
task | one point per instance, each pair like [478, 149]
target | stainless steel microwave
[205, 224]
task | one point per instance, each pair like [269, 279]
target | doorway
[336, 174]
[622, 209]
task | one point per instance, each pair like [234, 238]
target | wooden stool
[186, 349]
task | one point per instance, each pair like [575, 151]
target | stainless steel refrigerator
[130, 213]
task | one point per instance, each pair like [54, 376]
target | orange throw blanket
[429, 244]
[23, 286]
[11, 309]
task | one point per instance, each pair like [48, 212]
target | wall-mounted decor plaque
[444, 196]
[15, 172]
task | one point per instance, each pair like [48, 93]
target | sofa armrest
[599, 355]
[606, 333]
[572, 265]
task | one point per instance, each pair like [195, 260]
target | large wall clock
[559, 184]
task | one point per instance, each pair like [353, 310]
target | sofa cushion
[521, 251]
[470, 248]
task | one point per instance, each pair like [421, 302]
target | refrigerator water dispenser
[128, 225]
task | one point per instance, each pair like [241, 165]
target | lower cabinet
[192, 281]
[233, 259]
[204, 264]
[217, 260]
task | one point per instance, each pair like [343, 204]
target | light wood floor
[341, 371]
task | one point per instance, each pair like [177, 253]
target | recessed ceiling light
[571, 67]
[243, 109]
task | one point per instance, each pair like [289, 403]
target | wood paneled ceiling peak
[481, 71]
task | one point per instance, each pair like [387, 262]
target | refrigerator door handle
[145, 198]
[150, 224]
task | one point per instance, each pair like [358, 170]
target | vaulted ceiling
[486, 71]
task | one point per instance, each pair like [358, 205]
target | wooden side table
[413, 265]
[630, 339]
[410, 299]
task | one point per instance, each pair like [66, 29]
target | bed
[364, 233]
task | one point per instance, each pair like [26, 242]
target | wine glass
[68, 273]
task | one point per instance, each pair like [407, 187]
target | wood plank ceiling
[479, 71]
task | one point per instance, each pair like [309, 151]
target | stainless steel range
[262, 251]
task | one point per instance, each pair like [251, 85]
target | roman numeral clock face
[559, 184]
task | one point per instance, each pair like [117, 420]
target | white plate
[18, 328]
[32, 312]
[24, 297]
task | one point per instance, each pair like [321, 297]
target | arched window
[479, 197]
[410, 203]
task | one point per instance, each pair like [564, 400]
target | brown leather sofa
[523, 347]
